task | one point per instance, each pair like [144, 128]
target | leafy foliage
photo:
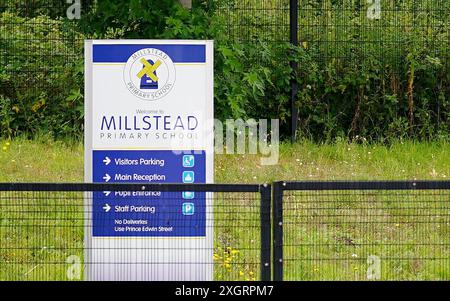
[378, 92]
[40, 89]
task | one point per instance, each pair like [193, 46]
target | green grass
[334, 234]
[44, 160]
[405, 229]
[39, 231]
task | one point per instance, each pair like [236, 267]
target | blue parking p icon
[188, 208]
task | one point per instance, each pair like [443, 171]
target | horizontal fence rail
[43, 226]
[361, 230]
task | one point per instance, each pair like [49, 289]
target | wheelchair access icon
[188, 161]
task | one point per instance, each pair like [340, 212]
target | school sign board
[148, 119]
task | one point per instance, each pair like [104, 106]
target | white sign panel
[149, 119]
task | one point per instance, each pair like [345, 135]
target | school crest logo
[149, 74]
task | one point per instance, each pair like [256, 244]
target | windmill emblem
[149, 74]
[149, 79]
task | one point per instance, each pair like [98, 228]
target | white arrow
[106, 208]
[107, 160]
[106, 178]
[107, 193]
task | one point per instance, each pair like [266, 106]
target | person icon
[188, 177]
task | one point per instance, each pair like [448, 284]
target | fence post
[278, 231]
[293, 33]
[186, 3]
[266, 197]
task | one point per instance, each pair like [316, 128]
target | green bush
[366, 99]
[377, 79]
[34, 8]
[41, 79]
[145, 19]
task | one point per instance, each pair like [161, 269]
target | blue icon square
[188, 161]
[188, 208]
[188, 177]
[188, 195]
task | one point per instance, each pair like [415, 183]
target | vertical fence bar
[293, 20]
[266, 197]
[278, 231]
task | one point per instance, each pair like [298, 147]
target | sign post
[148, 119]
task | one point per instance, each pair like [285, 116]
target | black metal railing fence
[387, 43]
[321, 231]
[43, 228]
[362, 231]
[343, 29]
